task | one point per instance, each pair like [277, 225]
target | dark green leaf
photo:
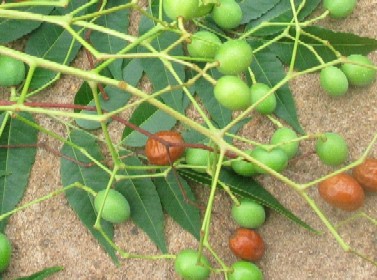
[13, 29]
[53, 43]
[253, 9]
[105, 43]
[43, 274]
[93, 177]
[269, 70]
[15, 162]
[146, 210]
[345, 43]
[175, 204]
[158, 74]
[248, 188]
[84, 95]
[132, 72]
[149, 118]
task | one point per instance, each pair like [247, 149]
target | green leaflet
[253, 9]
[345, 43]
[174, 203]
[13, 29]
[146, 210]
[53, 43]
[93, 177]
[269, 70]
[248, 188]
[16, 163]
[43, 274]
[147, 117]
[108, 44]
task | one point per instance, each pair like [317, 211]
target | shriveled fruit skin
[342, 191]
[366, 174]
[247, 244]
[157, 153]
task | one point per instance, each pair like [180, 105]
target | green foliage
[43, 274]
[15, 163]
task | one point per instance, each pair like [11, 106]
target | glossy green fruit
[268, 105]
[198, 157]
[276, 159]
[249, 214]
[186, 265]
[243, 270]
[332, 149]
[333, 81]
[180, 8]
[203, 10]
[234, 57]
[5, 252]
[285, 134]
[228, 14]
[243, 167]
[116, 208]
[339, 8]
[232, 93]
[358, 75]
[204, 44]
[12, 71]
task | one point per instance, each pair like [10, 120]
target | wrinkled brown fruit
[247, 244]
[157, 153]
[342, 191]
[366, 174]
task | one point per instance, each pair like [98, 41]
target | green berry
[5, 252]
[186, 265]
[243, 167]
[180, 8]
[268, 105]
[359, 75]
[339, 8]
[204, 44]
[116, 208]
[249, 214]
[198, 157]
[332, 149]
[228, 14]
[333, 81]
[285, 134]
[12, 71]
[276, 159]
[243, 270]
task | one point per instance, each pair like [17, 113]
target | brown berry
[366, 174]
[342, 191]
[157, 152]
[247, 244]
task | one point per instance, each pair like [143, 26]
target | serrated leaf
[93, 177]
[345, 43]
[105, 43]
[15, 162]
[269, 70]
[13, 29]
[116, 99]
[253, 9]
[43, 274]
[146, 210]
[158, 74]
[219, 114]
[149, 118]
[282, 12]
[175, 204]
[248, 188]
[53, 43]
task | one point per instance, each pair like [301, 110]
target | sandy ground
[50, 234]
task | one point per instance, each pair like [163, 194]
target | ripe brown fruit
[366, 174]
[342, 191]
[247, 244]
[157, 153]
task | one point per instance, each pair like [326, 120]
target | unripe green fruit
[204, 10]
[339, 8]
[332, 149]
[204, 44]
[232, 93]
[12, 71]
[249, 214]
[276, 159]
[333, 81]
[243, 270]
[5, 252]
[186, 265]
[198, 157]
[268, 105]
[242, 167]
[234, 57]
[116, 208]
[180, 8]
[285, 134]
[228, 14]
[358, 75]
